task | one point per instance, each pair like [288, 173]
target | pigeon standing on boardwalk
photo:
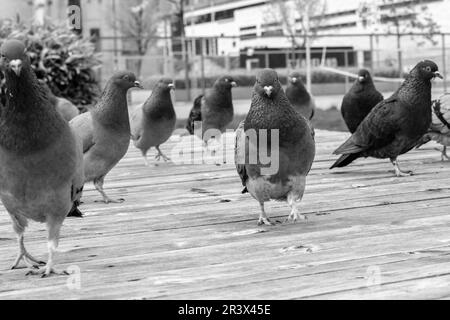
[105, 131]
[216, 108]
[153, 122]
[360, 100]
[396, 124]
[41, 170]
[440, 125]
[270, 110]
[63, 106]
[299, 97]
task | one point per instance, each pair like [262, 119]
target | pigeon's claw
[265, 221]
[46, 272]
[161, 155]
[398, 172]
[108, 200]
[295, 216]
[444, 155]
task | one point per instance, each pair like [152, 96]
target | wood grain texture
[186, 232]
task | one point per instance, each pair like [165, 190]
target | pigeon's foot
[400, 173]
[46, 272]
[295, 216]
[108, 200]
[161, 155]
[30, 261]
[444, 156]
[265, 221]
[146, 163]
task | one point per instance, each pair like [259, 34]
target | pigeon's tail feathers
[345, 160]
[349, 147]
[424, 140]
[244, 191]
[75, 212]
[198, 102]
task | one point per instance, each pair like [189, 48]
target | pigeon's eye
[226, 80]
[428, 69]
[127, 78]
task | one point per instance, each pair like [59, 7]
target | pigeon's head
[295, 77]
[364, 76]
[226, 82]
[126, 80]
[13, 57]
[166, 84]
[267, 83]
[427, 70]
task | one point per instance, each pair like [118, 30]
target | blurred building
[246, 28]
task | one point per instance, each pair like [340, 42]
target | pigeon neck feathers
[29, 122]
[298, 93]
[112, 109]
[416, 91]
[220, 96]
[159, 105]
[275, 113]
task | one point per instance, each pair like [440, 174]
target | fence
[386, 55]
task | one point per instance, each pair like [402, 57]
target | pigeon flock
[48, 151]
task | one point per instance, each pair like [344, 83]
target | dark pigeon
[153, 122]
[105, 130]
[270, 110]
[395, 125]
[216, 108]
[299, 97]
[41, 158]
[360, 100]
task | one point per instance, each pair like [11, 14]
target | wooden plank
[185, 231]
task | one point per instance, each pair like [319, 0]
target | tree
[399, 18]
[299, 19]
[138, 24]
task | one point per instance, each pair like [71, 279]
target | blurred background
[195, 41]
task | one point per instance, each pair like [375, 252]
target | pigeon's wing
[195, 115]
[239, 155]
[84, 128]
[377, 130]
[66, 109]
[136, 123]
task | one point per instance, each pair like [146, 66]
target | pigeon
[271, 112]
[105, 131]
[215, 109]
[63, 106]
[360, 100]
[394, 125]
[41, 158]
[299, 97]
[153, 122]
[440, 127]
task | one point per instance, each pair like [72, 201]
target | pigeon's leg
[30, 261]
[19, 225]
[263, 219]
[144, 154]
[294, 198]
[398, 171]
[54, 227]
[98, 183]
[161, 155]
[444, 155]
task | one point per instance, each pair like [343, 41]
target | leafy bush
[59, 57]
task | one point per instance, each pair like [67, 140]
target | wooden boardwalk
[186, 232]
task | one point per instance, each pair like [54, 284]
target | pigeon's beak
[268, 90]
[171, 86]
[137, 84]
[234, 84]
[294, 80]
[361, 79]
[437, 74]
[16, 66]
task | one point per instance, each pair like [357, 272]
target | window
[226, 14]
